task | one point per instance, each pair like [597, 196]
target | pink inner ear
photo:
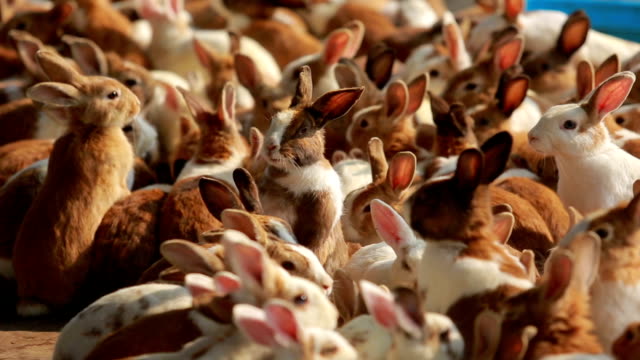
[199, 284]
[385, 221]
[250, 261]
[336, 46]
[401, 172]
[171, 98]
[560, 277]
[201, 52]
[283, 321]
[176, 6]
[150, 10]
[379, 304]
[612, 95]
[513, 8]
[226, 284]
[257, 330]
[509, 54]
[452, 41]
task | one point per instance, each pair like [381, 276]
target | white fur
[49, 127]
[74, 341]
[518, 172]
[131, 179]
[525, 117]
[282, 232]
[146, 141]
[614, 306]
[621, 136]
[222, 170]
[366, 257]
[416, 13]
[279, 124]
[142, 33]
[320, 275]
[354, 174]
[371, 340]
[446, 278]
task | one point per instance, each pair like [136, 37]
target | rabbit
[97, 108]
[589, 154]
[375, 263]
[477, 83]
[171, 46]
[401, 329]
[554, 317]
[626, 346]
[18, 155]
[299, 177]
[460, 242]
[391, 184]
[222, 148]
[391, 121]
[113, 311]
[626, 116]
[45, 25]
[413, 13]
[454, 129]
[277, 327]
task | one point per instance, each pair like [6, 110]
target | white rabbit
[594, 173]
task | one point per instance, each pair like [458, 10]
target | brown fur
[18, 155]
[378, 27]
[144, 175]
[18, 120]
[627, 346]
[454, 129]
[525, 156]
[10, 63]
[44, 25]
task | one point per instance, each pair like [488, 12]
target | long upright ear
[334, 104]
[87, 55]
[439, 107]
[416, 89]
[337, 43]
[283, 321]
[402, 170]
[176, 7]
[304, 87]
[469, 170]
[487, 329]
[607, 69]
[55, 94]
[409, 311]
[508, 53]
[57, 69]
[390, 226]
[503, 226]
[227, 104]
[513, 8]
[248, 190]
[247, 72]
[242, 221]
[206, 56]
[379, 165]
[149, 9]
[218, 196]
[27, 46]
[379, 64]
[247, 259]
[584, 79]
[61, 12]
[252, 322]
[497, 150]
[357, 35]
[511, 93]
[190, 257]
[558, 274]
[396, 100]
[585, 248]
[573, 34]
[455, 42]
[345, 75]
[609, 95]
[380, 304]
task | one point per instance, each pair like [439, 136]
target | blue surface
[616, 17]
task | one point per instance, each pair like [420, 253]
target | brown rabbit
[47, 26]
[18, 155]
[219, 65]
[454, 129]
[626, 347]
[87, 175]
[298, 179]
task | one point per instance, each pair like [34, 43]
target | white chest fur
[446, 278]
[614, 306]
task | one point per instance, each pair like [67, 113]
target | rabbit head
[390, 184]
[220, 66]
[44, 25]
[454, 129]
[392, 121]
[27, 46]
[577, 129]
[627, 346]
[552, 72]
[416, 334]
[296, 137]
[488, 119]
[90, 101]
[458, 207]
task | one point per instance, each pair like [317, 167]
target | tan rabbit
[46, 25]
[90, 165]
[219, 65]
[299, 177]
[18, 155]
[626, 347]
[454, 129]
[390, 184]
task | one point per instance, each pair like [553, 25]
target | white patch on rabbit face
[406, 266]
[559, 132]
[328, 344]
[311, 304]
[273, 137]
[320, 275]
[614, 305]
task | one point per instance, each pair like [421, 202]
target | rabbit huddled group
[313, 179]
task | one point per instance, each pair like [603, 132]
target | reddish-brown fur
[18, 155]
[17, 120]
[378, 27]
[454, 131]
[44, 25]
[627, 346]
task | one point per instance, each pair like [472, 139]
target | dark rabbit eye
[113, 95]
[288, 265]
[545, 66]
[569, 125]
[131, 82]
[603, 233]
[364, 123]
[304, 130]
[483, 122]
[434, 73]
[128, 128]
[300, 299]
[21, 26]
[619, 120]
[471, 86]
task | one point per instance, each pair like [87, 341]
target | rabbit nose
[272, 147]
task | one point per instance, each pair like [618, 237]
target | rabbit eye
[545, 66]
[619, 120]
[328, 351]
[131, 82]
[21, 25]
[304, 130]
[127, 128]
[569, 125]
[483, 122]
[364, 123]
[471, 86]
[288, 265]
[300, 299]
[603, 233]
[434, 73]
[629, 335]
[113, 95]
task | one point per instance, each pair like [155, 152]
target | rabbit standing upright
[87, 174]
[299, 184]
[593, 172]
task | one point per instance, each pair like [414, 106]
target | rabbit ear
[609, 95]
[380, 304]
[87, 55]
[345, 76]
[379, 66]
[402, 170]
[528, 260]
[416, 90]
[455, 42]
[345, 295]
[357, 35]
[242, 221]
[558, 273]
[469, 170]
[508, 53]
[409, 311]
[584, 79]
[283, 321]
[248, 190]
[304, 87]
[61, 13]
[396, 100]
[636, 187]
[248, 260]
[247, 72]
[206, 56]
[218, 196]
[607, 69]
[256, 140]
[57, 68]
[497, 150]
[336, 45]
[149, 9]
[633, 209]
[515, 345]
[334, 104]
[585, 248]
[176, 7]
[503, 226]
[487, 329]
[574, 216]
[199, 284]
[227, 104]
[513, 8]
[390, 226]
[226, 283]
[377, 160]
[190, 257]
[573, 34]
[511, 93]
[55, 94]
[27, 46]
[252, 321]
